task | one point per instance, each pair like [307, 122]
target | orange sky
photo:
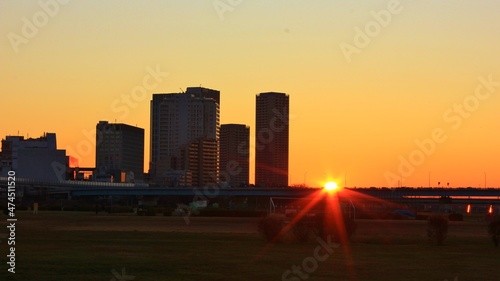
[408, 97]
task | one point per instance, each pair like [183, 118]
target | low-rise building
[34, 159]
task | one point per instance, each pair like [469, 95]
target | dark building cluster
[188, 146]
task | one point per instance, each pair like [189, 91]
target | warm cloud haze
[379, 90]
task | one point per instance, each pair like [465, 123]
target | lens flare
[331, 186]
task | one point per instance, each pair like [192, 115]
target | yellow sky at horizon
[348, 119]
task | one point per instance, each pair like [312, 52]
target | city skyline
[379, 92]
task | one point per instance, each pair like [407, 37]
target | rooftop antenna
[181, 90]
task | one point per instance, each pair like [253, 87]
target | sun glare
[331, 186]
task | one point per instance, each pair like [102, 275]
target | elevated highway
[75, 189]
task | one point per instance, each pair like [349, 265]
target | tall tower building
[185, 137]
[119, 151]
[234, 154]
[271, 139]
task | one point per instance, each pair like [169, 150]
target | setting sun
[331, 185]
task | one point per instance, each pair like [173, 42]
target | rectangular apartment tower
[271, 140]
[119, 149]
[234, 154]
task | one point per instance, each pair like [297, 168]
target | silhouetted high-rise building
[185, 137]
[271, 139]
[119, 151]
[234, 154]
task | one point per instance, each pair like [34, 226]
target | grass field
[83, 246]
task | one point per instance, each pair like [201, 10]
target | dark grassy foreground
[45, 253]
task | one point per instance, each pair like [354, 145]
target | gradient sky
[357, 118]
